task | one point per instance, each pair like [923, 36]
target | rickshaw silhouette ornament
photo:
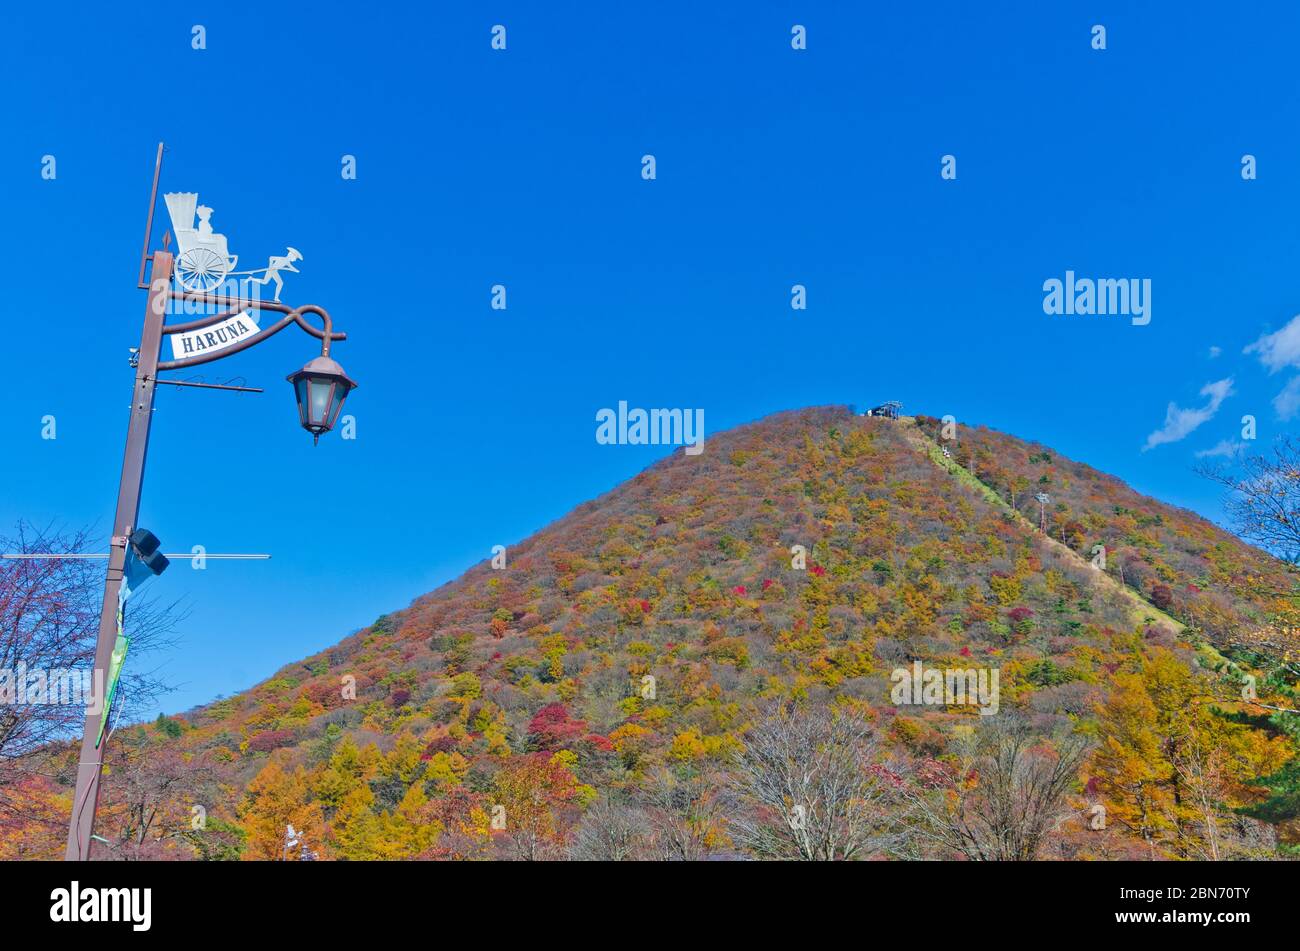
[203, 261]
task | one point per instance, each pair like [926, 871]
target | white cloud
[1214, 352]
[1287, 403]
[1181, 423]
[1280, 349]
[1225, 447]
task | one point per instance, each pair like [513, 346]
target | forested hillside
[1178, 560]
[638, 677]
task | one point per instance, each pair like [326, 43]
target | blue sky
[477, 167]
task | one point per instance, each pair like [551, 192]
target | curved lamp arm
[234, 306]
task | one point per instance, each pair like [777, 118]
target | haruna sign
[214, 337]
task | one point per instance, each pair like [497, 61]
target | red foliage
[269, 740]
[934, 774]
[738, 589]
[551, 728]
[325, 691]
[443, 744]
[1162, 596]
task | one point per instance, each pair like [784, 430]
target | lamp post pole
[86, 797]
[320, 388]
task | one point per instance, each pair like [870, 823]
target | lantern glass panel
[300, 393]
[340, 394]
[318, 410]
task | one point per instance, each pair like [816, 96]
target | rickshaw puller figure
[273, 268]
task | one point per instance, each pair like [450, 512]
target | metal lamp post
[320, 389]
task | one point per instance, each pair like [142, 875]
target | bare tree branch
[809, 787]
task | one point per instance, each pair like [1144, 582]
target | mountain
[622, 655]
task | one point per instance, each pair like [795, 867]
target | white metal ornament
[203, 261]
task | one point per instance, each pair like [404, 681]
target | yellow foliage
[274, 800]
[687, 747]
[1006, 590]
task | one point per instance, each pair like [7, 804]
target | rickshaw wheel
[200, 269]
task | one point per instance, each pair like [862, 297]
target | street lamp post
[320, 388]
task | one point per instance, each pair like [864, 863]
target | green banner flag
[134, 574]
[114, 672]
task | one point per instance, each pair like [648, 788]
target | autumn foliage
[607, 693]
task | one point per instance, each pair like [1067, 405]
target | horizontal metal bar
[235, 305]
[212, 386]
[14, 556]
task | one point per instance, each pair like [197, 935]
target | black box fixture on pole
[145, 545]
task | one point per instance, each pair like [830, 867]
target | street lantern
[320, 388]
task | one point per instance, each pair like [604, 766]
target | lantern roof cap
[323, 366]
